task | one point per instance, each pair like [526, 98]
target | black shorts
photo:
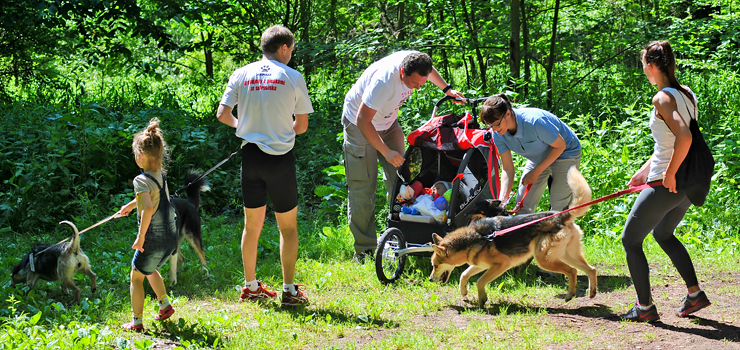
[264, 174]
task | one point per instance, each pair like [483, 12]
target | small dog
[554, 242]
[188, 224]
[58, 263]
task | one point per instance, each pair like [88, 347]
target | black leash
[207, 172]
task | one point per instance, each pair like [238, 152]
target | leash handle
[207, 172]
[613, 195]
[518, 205]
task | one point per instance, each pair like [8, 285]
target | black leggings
[658, 210]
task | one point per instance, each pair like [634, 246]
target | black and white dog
[57, 263]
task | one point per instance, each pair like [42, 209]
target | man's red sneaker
[262, 293]
[299, 299]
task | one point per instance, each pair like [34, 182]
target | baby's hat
[446, 184]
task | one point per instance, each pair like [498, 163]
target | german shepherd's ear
[493, 203]
[436, 238]
[439, 250]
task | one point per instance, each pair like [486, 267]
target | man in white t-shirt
[372, 133]
[273, 108]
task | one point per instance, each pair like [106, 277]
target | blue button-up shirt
[536, 130]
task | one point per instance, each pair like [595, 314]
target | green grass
[350, 308]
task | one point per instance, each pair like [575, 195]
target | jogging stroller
[451, 149]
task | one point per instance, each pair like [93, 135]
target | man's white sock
[252, 285]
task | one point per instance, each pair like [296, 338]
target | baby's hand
[138, 244]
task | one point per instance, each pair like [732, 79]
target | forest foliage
[78, 79]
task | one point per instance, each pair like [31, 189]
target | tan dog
[554, 242]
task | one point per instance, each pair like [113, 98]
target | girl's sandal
[165, 314]
[131, 327]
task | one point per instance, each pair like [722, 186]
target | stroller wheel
[388, 263]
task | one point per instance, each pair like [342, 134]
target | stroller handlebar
[469, 101]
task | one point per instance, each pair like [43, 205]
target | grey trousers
[560, 193]
[361, 170]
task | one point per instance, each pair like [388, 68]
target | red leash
[518, 205]
[494, 160]
[495, 167]
[613, 195]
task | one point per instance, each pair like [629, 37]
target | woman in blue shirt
[549, 146]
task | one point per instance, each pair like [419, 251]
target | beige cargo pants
[361, 171]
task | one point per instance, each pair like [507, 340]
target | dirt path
[597, 320]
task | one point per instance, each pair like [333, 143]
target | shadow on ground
[713, 329]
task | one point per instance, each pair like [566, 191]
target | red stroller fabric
[448, 133]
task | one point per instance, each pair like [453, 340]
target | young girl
[157, 237]
[660, 209]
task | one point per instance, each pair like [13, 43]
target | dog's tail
[581, 192]
[196, 188]
[74, 247]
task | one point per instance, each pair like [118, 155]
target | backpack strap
[696, 112]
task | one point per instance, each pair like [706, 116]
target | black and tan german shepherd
[555, 244]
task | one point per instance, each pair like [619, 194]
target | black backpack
[695, 173]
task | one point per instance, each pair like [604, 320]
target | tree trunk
[286, 16]
[514, 45]
[305, 21]
[472, 68]
[208, 54]
[551, 59]
[445, 60]
[467, 71]
[401, 15]
[333, 19]
[468, 79]
[469, 18]
[483, 67]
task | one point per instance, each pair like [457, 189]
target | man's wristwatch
[447, 88]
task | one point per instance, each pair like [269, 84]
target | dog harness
[30, 262]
